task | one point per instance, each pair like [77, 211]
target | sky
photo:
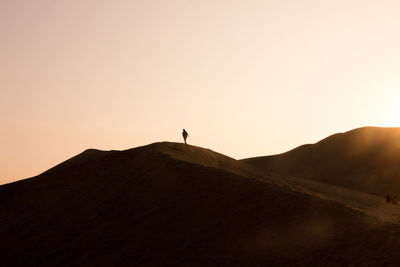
[245, 78]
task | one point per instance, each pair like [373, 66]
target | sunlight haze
[244, 78]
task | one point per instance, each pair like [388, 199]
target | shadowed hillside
[170, 204]
[365, 159]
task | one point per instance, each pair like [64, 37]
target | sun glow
[245, 78]
[388, 108]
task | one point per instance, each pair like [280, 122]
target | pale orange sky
[244, 78]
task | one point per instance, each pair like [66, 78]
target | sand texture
[170, 204]
[365, 159]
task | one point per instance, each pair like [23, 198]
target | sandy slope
[369, 204]
[168, 204]
[365, 159]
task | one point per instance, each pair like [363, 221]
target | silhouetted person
[185, 135]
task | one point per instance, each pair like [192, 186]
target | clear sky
[244, 78]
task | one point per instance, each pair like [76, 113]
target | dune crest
[365, 159]
[170, 204]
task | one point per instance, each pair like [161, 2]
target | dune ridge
[170, 204]
[364, 159]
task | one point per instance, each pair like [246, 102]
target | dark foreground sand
[168, 204]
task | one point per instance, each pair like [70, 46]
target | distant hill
[169, 204]
[365, 159]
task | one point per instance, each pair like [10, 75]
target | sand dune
[365, 159]
[170, 204]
